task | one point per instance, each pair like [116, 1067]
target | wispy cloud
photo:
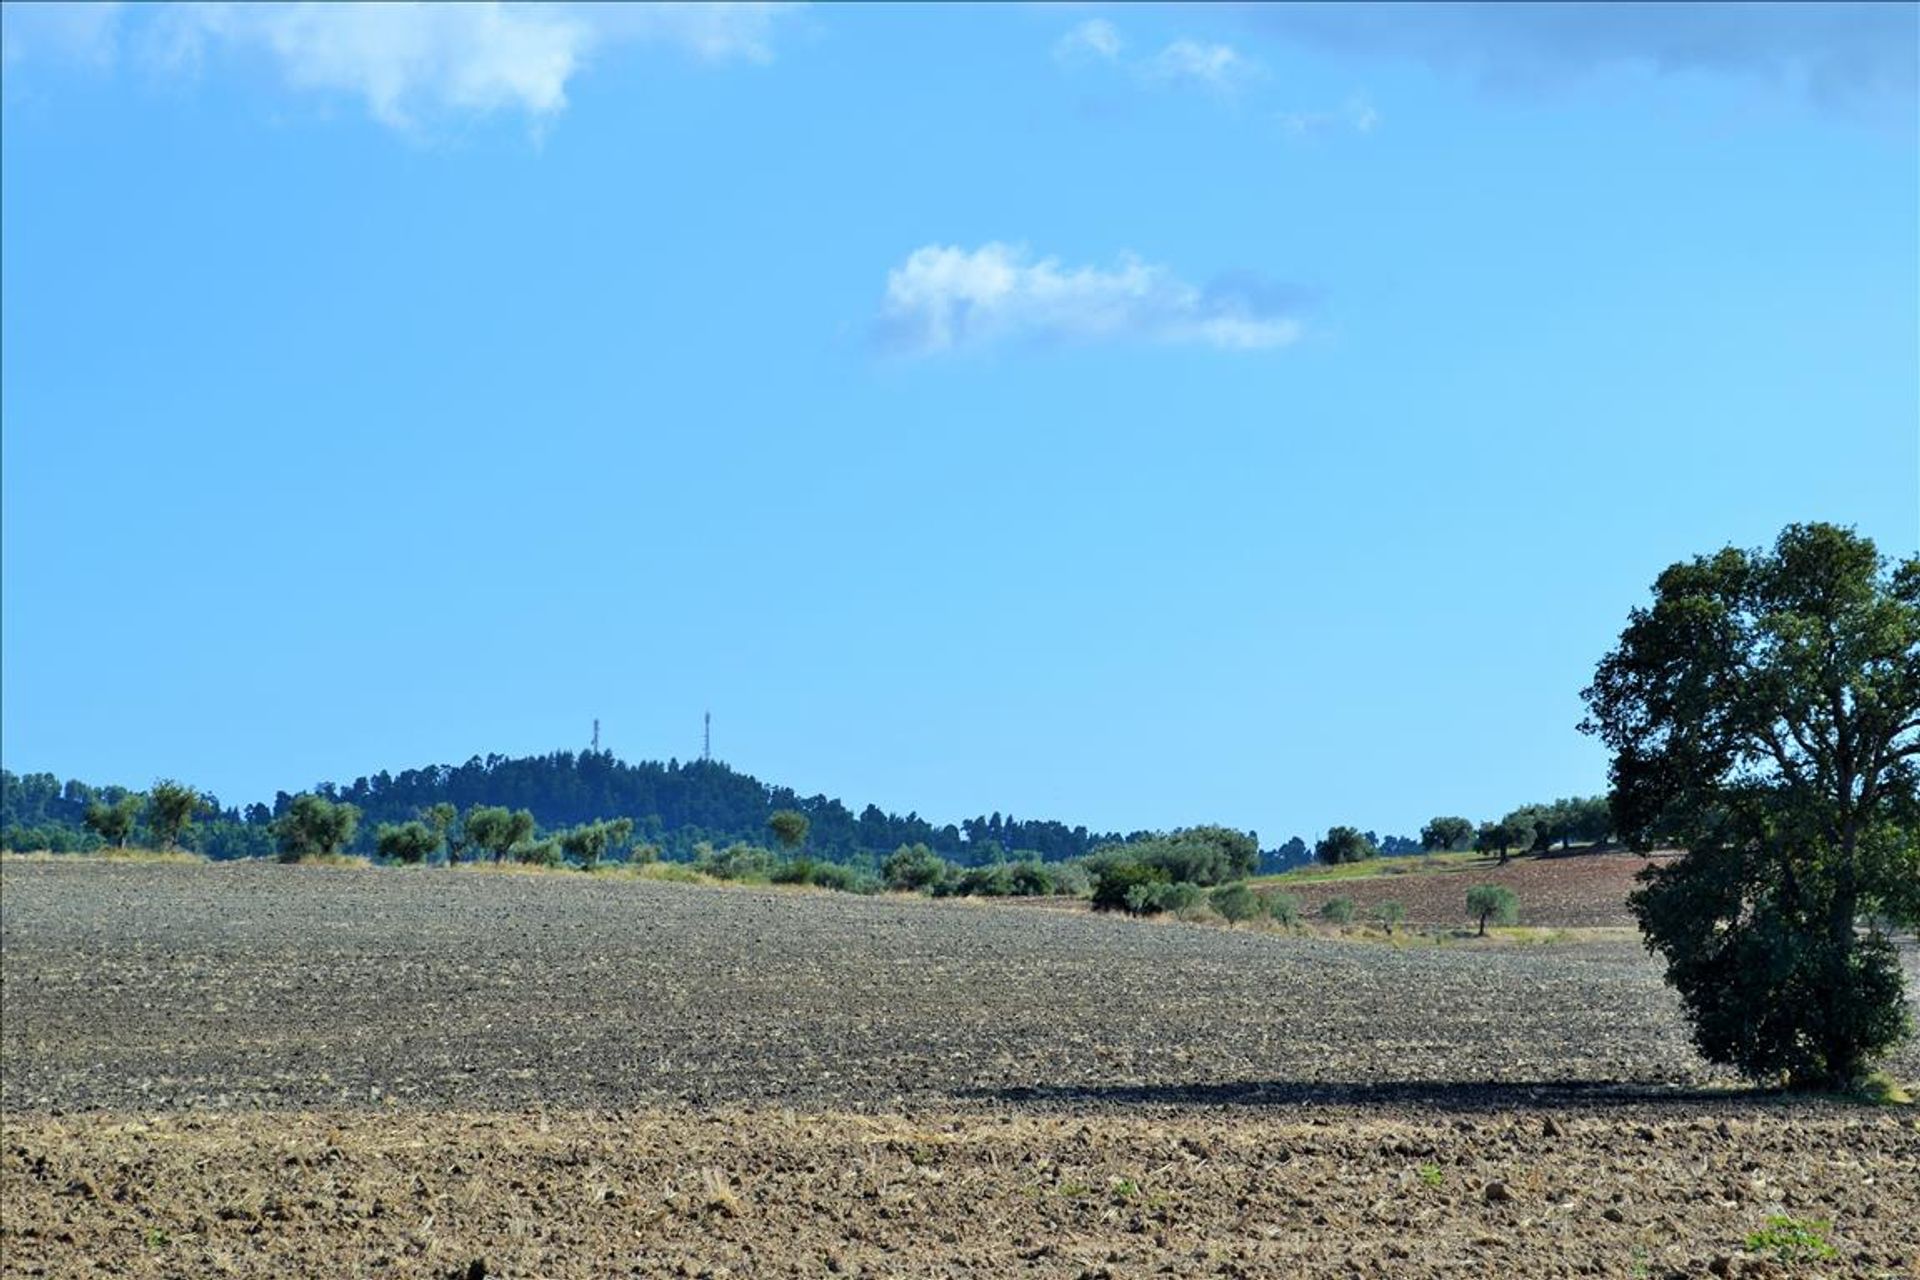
[1203, 64]
[411, 63]
[85, 34]
[946, 298]
[1355, 115]
[1094, 38]
[1836, 52]
[1219, 67]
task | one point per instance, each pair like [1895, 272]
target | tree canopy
[1764, 713]
[1344, 844]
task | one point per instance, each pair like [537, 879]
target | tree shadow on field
[1461, 1096]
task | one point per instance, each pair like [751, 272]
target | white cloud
[1356, 115]
[1096, 37]
[86, 34]
[1220, 67]
[411, 62]
[945, 298]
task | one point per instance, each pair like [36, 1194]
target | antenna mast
[706, 740]
[596, 735]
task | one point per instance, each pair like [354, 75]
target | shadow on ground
[1462, 1096]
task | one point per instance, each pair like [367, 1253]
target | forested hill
[673, 805]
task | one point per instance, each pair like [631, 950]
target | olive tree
[1446, 833]
[407, 842]
[1764, 713]
[589, 842]
[171, 807]
[113, 822]
[1344, 844]
[1493, 902]
[496, 830]
[314, 826]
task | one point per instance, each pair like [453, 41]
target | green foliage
[171, 807]
[408, 842]
[1493, 902]
[1284, 908]
[1764, 714]
[995, 881]
[915, 868]
[495, 830]
[1203, 855]
[1388, 914]
[1344, 844]
[1537, 827]
[1446, 833]
[1337, 910]
[1500, 837]
[537, 853]
[735, 862]
[1070, 879]
[1235, 902]
[314, 826]
[1431, 1175]
[790, 828]
[589, 842]
[114, 822]
[1156, 896]
[1115, 880]
[1793, 1241]
[1012, 880]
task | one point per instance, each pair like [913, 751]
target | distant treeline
[674, 807]
[678, 809]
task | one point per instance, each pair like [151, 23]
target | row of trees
[675, 806]
[1532, 828]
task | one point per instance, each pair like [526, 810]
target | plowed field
[265, 1070]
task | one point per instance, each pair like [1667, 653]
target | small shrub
[1388, 914]
[1337, 911]
[914, 868]
[537, 853]
[1235, 902]
[1182, 897]
[1114, 881]
[1029, 880]
[1794, 1241]
[1493, 902]
[794, 871]
[735, 862]
[994, 881]
[1284, 908]
[409, 842]
[1070, 879]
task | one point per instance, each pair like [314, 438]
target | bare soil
[1577, 891]
[266, 1070]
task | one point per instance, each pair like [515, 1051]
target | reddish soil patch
[1584, 891]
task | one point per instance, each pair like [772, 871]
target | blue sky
[1133, 416]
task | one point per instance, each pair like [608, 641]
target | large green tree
[1764, 714]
